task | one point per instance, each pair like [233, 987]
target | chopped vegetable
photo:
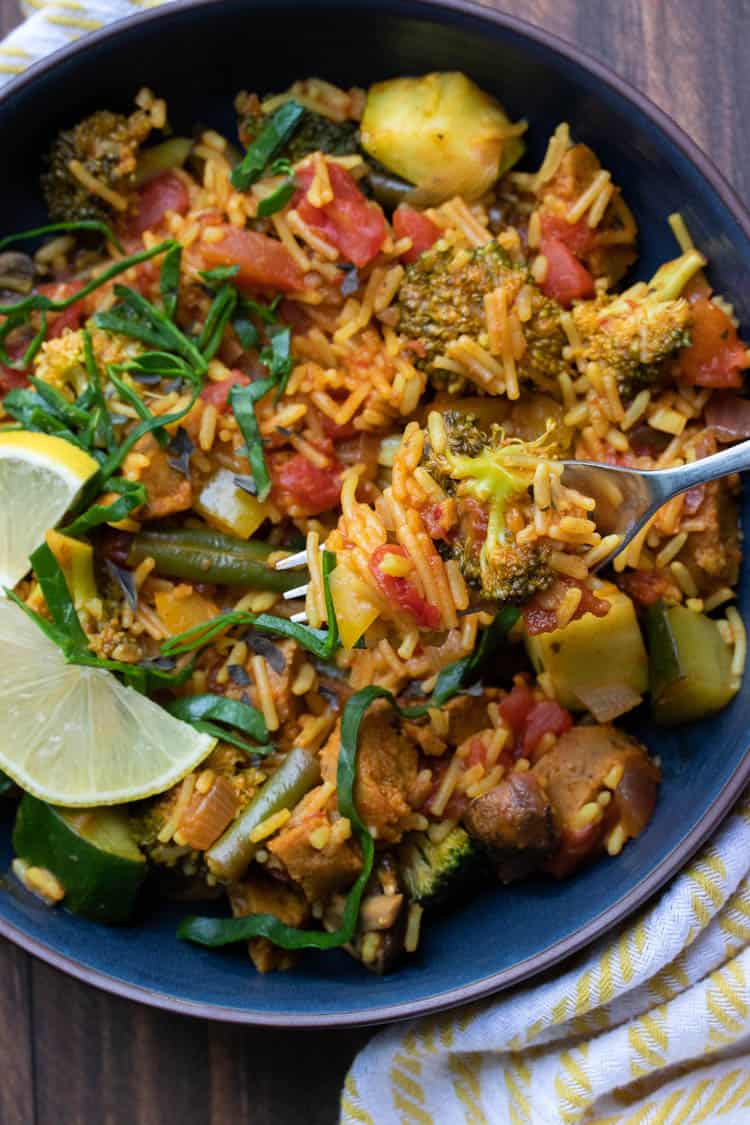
[272, 137]
[408, 223]
[161, 158]
[231, 854]
[595, 663]
[440, 132]
[209, 556]
[264, 263]
[228, 508]
[436, 873]
[715, 357]
[90, 851]
[76, 560]
[349, 222]
[690, 666]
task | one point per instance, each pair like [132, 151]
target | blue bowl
[197, 55]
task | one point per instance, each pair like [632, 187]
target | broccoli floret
[484, 473]
[432, 874]
[315, 133]
[442, 298]
[635, 334]
[103, 146]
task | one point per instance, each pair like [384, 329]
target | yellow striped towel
[651, 1026]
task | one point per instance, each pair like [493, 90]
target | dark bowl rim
[722, 803]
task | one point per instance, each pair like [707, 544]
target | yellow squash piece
[228, 508]
[441, 133]
[76, 560]
[180, 613]
[355, 604]
[597, 664]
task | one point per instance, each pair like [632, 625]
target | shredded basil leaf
[57, 596]
[136, 317]
[42, 302]
[57, 228]
[197, 709]
[277, 199]
[243, 400]
[219, 315]
[218, 275]
[278, 359]
[320, 642]
[274, 134]
[131, 495]
[247, 333]
[104, 428]
[169, 280]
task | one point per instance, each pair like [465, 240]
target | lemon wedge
[73, 735]
[40, 477]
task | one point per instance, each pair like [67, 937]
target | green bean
[199, 555]
[232, 852]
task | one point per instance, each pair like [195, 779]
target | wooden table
[75, 1056]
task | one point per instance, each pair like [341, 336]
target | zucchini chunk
[596, 664]
[90, 851]
[690, 666]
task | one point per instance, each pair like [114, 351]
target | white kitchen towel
[53, 25]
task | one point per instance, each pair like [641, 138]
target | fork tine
[299, 618]
[297, 592]
[289, 563]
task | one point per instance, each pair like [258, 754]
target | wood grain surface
[74, 1056]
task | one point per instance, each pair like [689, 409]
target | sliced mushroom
[16, 273]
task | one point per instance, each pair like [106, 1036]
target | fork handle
[736, 459]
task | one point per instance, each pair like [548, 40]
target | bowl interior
[198, 57]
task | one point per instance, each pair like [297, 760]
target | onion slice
[608, 701]
[728, 415]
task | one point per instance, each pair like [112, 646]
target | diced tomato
[643, 586]
[439, 519]
[310, 489]
[264, 263]
[9, 377]
[578, 237]
[401, 591]
[71, 317]
[335, 432]
[566, 280]
[516, 705]
[218, 393]
[408, 223]
[164, 193]
[716, 356]
[349, 222]
[545, 717]
[540, 613]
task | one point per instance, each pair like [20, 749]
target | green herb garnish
[272, 137]
[199, 710]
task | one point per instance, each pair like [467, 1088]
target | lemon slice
[75, 736]
[40, 477]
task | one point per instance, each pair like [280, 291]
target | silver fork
[625, 498]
